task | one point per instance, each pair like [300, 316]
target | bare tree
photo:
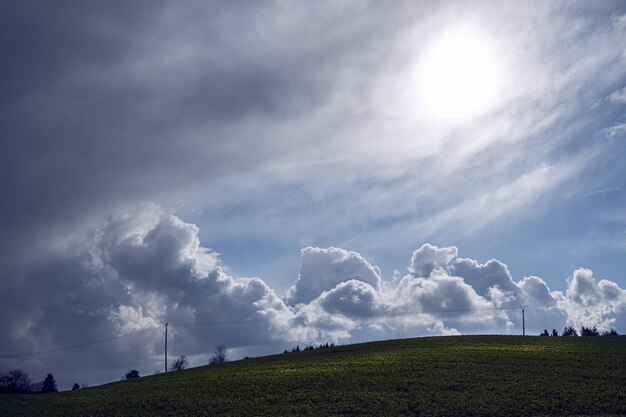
[179, 363]
[15, 381]
[219, 355]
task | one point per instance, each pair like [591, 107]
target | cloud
[139, 271]
[615, 131]
[483, 277]
[590, 303]
[146, 267]
[618, 96]
[322, 269]
[428, 257]
[303, 130]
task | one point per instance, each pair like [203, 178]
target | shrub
[132, 374]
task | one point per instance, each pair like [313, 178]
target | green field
[442, 376]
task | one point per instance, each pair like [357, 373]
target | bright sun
[458, 77]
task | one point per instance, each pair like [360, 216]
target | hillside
[462, 375]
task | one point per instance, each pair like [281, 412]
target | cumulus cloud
[590, 303]
[430, 257]
[147, 267]
[322, 269]
[139, 271]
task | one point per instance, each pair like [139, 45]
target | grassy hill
[444, 376]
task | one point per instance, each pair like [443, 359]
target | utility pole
[166, 346]
[523, 321]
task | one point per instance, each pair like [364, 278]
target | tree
[219, 355]
[545, 333]
[554, 332]
[75, 386]
[179, 363]
[132, 374]
[15, 381]
[570, 331]
[612, 332]
[589, 331]
[49, 384]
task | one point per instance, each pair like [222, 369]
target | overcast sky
[266, 174]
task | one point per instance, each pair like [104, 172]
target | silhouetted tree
[570, 331]
[179, 363]
[554, 332]
[219, 355]
[75, 386]
[15, 381]
[589, 331]
[545, 333]
[612, 332]
[132, 374]
[49, 384]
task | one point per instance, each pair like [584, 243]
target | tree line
[17, 381]
[584, 331]
[310, 347]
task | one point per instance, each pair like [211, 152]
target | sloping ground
[444, 376]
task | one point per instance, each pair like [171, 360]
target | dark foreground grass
[435, 376]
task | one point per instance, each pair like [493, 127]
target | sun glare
[459, 77]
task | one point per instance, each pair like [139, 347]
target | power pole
[166, 346]
[523, 321]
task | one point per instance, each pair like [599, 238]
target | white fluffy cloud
[146, 268]
[323, 269]
[590, 303]
[430, 257]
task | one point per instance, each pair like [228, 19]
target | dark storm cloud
[109, 103]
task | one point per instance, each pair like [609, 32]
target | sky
[270, 174]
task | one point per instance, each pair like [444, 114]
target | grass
[434, 376]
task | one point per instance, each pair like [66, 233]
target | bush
[132, 374]
[544, 333]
